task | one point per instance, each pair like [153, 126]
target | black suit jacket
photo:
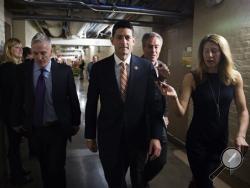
[66, 103]
[134, 122]
[7, 85]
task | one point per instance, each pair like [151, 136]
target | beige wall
[8, 24]
[2, 35]
[18, 30]
[30, 31]
[24, 31]
[230, 19]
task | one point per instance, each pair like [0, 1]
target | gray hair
[40, 37]
[147, 36]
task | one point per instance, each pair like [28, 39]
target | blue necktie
[39, 100]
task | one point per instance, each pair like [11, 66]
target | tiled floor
[84, 169]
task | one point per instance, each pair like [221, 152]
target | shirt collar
[156, 64]
[47, 67]
[118, 60]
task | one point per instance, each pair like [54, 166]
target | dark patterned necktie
[123, 80]
[39, 100]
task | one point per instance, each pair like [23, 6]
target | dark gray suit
[49, 141]
[124, 129]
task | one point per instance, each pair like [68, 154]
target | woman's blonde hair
[8, 56]
[226, 68]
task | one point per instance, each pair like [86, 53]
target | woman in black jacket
[12, 56]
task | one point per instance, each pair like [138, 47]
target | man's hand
[21, 131]
[91, 145]
[75, 130]
[167, 90]
[241, 144]
[154, 149]
[18, 129]
[163, 72]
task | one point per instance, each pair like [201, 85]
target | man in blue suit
[129, 127]
[58, 106]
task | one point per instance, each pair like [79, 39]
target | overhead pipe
[111, 9]
[81, 19]
[130, 10]
[39, 27]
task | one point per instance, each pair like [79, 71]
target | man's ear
[133, 40]
[111, 39]
[51, 52]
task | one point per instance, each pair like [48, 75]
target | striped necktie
[123, 80]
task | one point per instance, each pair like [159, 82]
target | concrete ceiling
[94, 18]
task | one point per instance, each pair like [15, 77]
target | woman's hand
[241, 144]
[167, 90]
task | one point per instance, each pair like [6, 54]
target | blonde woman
[212, 87]
[13, 51]
[12, 56]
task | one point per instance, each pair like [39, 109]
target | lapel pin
[136, 67]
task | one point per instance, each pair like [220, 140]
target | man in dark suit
[151, 44]
[47, 98]
[95, 58]
[129, 125]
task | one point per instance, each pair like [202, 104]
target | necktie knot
[42, 71]
[123, 64]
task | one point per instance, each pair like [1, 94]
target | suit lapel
[54, 78]
[29, 88]
[133, 75]
[113, 78]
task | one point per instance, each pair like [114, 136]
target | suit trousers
[49, 144]
[14, 155]
[154, 167]
[126, 158]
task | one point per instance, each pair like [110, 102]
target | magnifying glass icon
[231, 159]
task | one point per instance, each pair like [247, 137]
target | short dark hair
[26, 52]
[122, 24]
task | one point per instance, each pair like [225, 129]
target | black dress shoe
[21, 180]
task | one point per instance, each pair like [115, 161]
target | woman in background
[12, 57]
[212, 87]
